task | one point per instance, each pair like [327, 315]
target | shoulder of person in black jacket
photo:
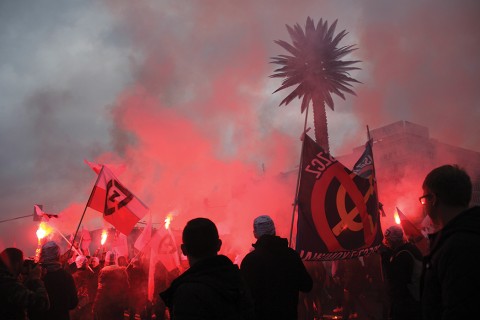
[450, 275]
[212, 288]
[16, 297]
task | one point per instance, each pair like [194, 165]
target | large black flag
[337, 209]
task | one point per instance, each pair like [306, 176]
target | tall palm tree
[316, 68]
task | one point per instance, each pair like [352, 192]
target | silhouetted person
[451, 287]
[310, 306]
[274, 273]
[16, 297]
[212, 287]
[83, 278]
[400, 268]
[111, 299]
[138, 278]
[352, 276]
[60, 285]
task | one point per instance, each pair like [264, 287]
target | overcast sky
[179, 92]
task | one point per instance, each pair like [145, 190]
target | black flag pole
[380, 205]
[297, 188]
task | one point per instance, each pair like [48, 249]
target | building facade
[404, 153]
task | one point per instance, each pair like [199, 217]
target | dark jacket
[112, 294]
[211, 289]
[275, 274]
[399, 269]
[16, 298]
[451, 274]
[62, 293]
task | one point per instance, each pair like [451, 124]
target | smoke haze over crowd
[179, 93]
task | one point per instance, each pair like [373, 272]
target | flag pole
[85, 209]
[295, 201]
[380, 205]
[145, 246]
[64, 238]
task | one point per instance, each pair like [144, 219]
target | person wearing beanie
[60, 285]
[402, 263]
[111, 299]
[274, 273]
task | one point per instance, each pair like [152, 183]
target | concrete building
[404, 153]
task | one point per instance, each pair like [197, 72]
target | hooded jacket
[211, 289]
[275, 274]
[451, 272]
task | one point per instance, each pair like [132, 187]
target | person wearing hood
[212, 288]
[274, 273]
[17, 296]
[59, 283]
[451, 278]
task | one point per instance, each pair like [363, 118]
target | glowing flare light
[168, 220]
[104, 237]
[397, 218]
[43, 231]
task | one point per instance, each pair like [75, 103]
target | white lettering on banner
[367, 161]
[319, 164]
[341, 255]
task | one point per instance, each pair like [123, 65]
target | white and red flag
[119, 206]
[118, 169]
[85, 240]
[146, 235]
[40, 215]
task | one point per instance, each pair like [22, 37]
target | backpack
[414, 285]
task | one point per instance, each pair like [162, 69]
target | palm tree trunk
[320, 124]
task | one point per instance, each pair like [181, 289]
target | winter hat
[95, 262]
[263, 225]
[394, 234]
[50, 252]
[110, 258]
[80, 261]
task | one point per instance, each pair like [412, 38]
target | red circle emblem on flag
[336, 192]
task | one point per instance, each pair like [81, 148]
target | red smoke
[201, 134]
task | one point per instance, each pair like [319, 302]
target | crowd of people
[271, 282]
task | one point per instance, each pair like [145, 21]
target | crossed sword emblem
[348, 217]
